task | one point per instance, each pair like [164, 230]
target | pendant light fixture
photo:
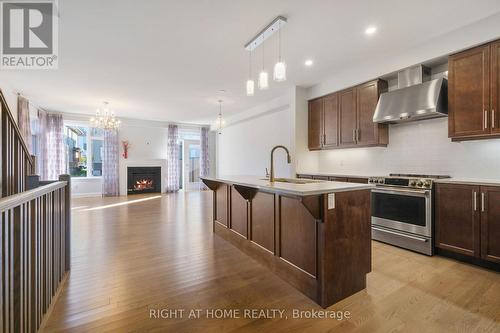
[263, 76]
[279, 73]
[250, 82]
[220, 123]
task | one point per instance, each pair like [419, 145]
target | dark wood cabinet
[369, 133]
[345, 119]
[315, 130]
[330, 121]
[490, 223]
[473, 91]
[457, 218]
[468, 220]
[495, 88]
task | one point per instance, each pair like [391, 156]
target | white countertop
[314, 188]
[470, 181]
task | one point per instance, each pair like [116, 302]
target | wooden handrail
[5, 108]
[18, 199]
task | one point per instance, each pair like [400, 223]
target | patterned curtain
[204, 157]
[23, 120]
[52, 161]
[172, 159]
[110, 163]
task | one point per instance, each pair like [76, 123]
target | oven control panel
[420, 183]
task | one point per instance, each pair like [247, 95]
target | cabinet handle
[354, 135]
[493, 118]
[474, 200]
[324, 139]
[358, 136]
[485, 119]
[482, 201]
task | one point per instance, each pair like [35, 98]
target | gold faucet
[288, 158]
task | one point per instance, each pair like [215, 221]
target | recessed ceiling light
[308, 62]
[371, 30]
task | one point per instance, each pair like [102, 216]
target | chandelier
[105, 119]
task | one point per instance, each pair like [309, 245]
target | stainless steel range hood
[416, 98]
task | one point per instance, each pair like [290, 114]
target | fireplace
[143, 180]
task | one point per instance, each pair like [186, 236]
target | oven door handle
[423, 240]
[412, 193]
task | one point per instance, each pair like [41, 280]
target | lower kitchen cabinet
[468, 220]
[490, 223]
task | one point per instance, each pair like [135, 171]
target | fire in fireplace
[143, 180]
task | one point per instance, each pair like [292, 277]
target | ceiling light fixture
[250, 82]
[105, 119]
[220, 123]
[371, 30]
[280, 67]
[279, 73]
[308, 62]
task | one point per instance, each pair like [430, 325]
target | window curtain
[172, 159]
[110, 163]
[204, 156]
[23, 121]
[52, 159]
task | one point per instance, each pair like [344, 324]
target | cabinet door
[315, 130]
[347, 117]
[495, 87]
[368, 132]
[469, 93]
[490, 223]
[330, 121]
[457, 218]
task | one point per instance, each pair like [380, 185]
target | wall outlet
[331, 200]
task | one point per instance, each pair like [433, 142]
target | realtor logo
[29, 34]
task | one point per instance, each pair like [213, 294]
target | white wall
[245, 144]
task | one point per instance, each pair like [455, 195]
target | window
[84, 150]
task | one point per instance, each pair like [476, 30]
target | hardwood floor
[133, 254]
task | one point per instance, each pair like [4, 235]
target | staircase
[34, 234]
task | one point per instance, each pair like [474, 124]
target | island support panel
[324, 253]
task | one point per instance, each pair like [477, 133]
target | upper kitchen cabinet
[473, 93]
[369, 133]
[330, 121]
[315, 130]
[495, 87]
[323, 122]
[345, 119]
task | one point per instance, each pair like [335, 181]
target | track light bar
[265, 33]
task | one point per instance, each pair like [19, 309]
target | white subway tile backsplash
[418, 147]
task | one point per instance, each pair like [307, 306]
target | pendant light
[279, 73]
[263, 76]
[250, 82]
[220, 122]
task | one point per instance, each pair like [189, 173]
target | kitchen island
[316, 235]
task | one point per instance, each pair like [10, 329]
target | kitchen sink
[294, 180]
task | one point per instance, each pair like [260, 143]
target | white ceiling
[167, 60]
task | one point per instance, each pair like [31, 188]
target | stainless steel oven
[402, 212]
